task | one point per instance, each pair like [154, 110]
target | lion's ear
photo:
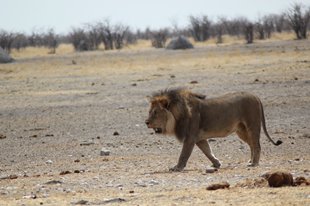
[164, 103]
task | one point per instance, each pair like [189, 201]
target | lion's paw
[176, 169]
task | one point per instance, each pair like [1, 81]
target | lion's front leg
[205, 148]
[188, 146]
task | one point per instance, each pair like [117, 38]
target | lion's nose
[147, 122]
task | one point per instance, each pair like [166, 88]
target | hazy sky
[62, 15]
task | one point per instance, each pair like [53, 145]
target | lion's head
[170, 110]
[160, 118]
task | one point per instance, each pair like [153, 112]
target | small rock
[172, 76]
[211, 170]
[49, 162]
[32, 196]
[33, 136]
[73, 61]
[306, 135]
[81, 202]
[53, 182]
[115, 133]
[134, 84]
[104, 152]
[222, 185]
[113, 200]
[153, 182]
[77, 160]
[279, 179]
[64, 172]
[86, 143]
[194, 82]
[2, 136]
[11, 177]
[131, 191]
[49, 135]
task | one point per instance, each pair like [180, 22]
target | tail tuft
[278, 142]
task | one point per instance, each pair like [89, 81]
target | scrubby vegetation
[201, 28]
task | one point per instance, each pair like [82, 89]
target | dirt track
[57, 116]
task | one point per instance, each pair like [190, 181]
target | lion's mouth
[158, 130]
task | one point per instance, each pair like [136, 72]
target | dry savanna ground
[57, 112]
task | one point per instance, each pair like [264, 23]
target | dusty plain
[58, 111]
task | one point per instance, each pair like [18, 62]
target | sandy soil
[58, 112]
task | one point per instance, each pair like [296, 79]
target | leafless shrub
[50, 41]
[106, 34]
[268, 25]
[280, 22]
[93, 36]
[159, 38]
[234, 27]
[36, 38]
[130, 37]
[249, 32]
[119, 34]
[6, 40]
[218, 32]
[260, 30]
[200, 28]
[299, 19]
[20, 41]
[79, 39]
[146, 34]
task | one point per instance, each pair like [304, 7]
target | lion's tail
[265, 129]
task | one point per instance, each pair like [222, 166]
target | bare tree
[219, 31]
[159, 38]
[79, 39]
[106, 34]
[299, 19]
[93, 34]
[20, 41]
[259, 28]
[234, 27]
[50, 41]
[249, 32]
[6, 40]
[119, 34]
[200, 28]
[268, 25]
[278, 21]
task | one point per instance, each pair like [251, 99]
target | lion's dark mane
[179, 104]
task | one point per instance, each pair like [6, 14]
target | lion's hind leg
[205, 148]
[255, 147]
[252, 141]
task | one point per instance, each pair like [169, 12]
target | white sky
[62, 15]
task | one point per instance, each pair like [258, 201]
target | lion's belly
[217, 132]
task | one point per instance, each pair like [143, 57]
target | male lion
[193, 119]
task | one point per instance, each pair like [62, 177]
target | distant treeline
[200, 28]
